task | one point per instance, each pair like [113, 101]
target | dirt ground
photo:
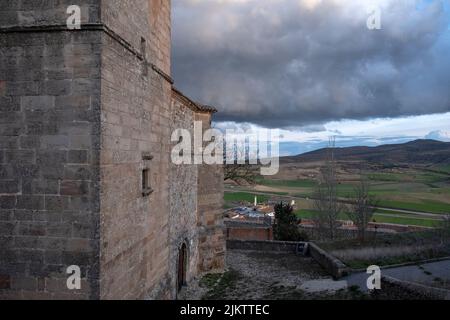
[257, 275]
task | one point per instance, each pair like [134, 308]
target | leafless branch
[362, 208]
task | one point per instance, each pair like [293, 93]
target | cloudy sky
[313, 68]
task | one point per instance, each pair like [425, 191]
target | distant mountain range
[414, 152]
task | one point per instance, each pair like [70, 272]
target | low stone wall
[330, 263]
[423, 290]
[250, 233]
[281, 246]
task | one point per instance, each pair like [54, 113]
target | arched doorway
[182, 266]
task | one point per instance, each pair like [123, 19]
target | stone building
[86, 118]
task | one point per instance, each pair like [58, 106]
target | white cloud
[442, 135]
[368, 133]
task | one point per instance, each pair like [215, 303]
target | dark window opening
[182, 266]
[146, 188]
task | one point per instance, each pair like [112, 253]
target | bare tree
[326, 201]
[362, 207]
[240, 171]
[444, 229]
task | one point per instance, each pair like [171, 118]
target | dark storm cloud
[296, 63]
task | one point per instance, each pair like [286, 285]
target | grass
[305, 214]
[389, 261]
[287, 183]
[309, 214]
[244, 196]
[219, 284]
[275, 193]
[392, 211]
[392, 177]
[423, 176]
[445, 168]
[445, 191]
[430, 177]
[414, 194]
[407, 221]
[209, 280]
[423, 205]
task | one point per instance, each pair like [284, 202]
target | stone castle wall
[135, 124]
[82, 114]
[211, 230]
[49, 150]
[196, 192]
[183, 200]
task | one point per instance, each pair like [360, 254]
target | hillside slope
[414, 152]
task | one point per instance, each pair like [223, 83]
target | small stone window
[146, 176]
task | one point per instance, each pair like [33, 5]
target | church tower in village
[86, 181]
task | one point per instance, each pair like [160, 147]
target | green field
[421, 205]
[443, 168]
[243, 196]
[274, 193]
[381, 218]
[386, 177]
[422, 189]
[287, 183]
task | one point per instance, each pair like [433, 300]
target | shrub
[286, 224]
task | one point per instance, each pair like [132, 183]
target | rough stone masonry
[85, 175]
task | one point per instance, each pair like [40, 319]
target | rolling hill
[422, 152]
